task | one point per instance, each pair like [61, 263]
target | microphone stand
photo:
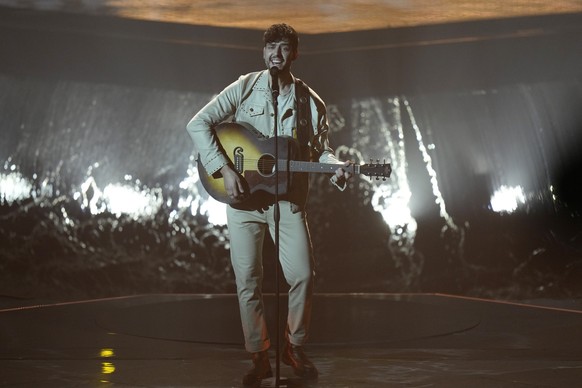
[274, 71]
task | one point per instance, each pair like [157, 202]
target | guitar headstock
[377, 169]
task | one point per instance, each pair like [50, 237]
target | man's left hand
[342, 172]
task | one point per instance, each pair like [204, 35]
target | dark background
[105, 98]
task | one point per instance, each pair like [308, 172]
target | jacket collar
[263, 81]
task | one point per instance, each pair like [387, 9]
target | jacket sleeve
[320, 142]
[320, 147]
[201, 127]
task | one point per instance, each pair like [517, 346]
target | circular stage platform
[336, 319]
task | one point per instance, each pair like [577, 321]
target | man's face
[279, 54]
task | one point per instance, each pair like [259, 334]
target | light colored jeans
[247, 232]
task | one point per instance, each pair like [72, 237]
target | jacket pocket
[253, 110]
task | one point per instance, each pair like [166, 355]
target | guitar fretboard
[301, 166]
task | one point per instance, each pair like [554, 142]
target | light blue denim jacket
[249, 100]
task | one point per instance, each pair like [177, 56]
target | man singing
[300, 114]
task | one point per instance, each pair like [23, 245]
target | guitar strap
[303, 125]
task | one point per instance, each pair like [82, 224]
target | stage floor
[358, 340]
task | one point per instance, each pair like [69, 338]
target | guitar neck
[326, 168]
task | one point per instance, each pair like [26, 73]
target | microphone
[274, 71]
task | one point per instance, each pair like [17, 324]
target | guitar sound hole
[266, 165]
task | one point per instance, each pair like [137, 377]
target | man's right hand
[233, 183]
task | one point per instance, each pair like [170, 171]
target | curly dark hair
[278, 32]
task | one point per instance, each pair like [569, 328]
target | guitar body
[253, 157]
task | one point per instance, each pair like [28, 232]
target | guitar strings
[267, 165]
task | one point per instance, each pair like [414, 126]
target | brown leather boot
[295, 357]
[261, 369]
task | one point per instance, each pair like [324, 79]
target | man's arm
[201, 128]
[233, 182]
[320, 143]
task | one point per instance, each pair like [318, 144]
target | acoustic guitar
[252, 156]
